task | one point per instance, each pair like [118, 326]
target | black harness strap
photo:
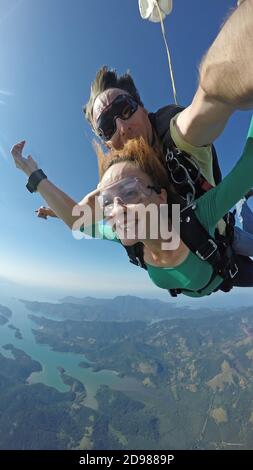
[183, 171]
[185, 175]
[135, 254]
[198, 240]
[217, 252]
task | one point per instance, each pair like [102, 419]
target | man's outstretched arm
[226, 72]
[226, 80]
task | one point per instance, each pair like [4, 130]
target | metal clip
[233, 273]
[214, 248]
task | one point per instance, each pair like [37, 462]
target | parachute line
[168, 52]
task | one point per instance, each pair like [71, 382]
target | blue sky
[50, 51]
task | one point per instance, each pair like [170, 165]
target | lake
[50, 360]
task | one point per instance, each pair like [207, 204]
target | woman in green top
[135, 176]
[179, 268]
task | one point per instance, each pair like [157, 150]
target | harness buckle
[233, 271]
[174, 292]
[136, 261]
[209, 251]
[139, 262]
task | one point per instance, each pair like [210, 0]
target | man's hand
[225, 83]
[226, 70]
[27, 165]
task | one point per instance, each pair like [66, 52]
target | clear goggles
[131, 190]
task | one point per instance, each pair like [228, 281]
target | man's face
[138, 125]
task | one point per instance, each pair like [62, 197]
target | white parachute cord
[168, 52]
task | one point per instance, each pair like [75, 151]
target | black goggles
[123, 107]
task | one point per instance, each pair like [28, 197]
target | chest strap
[217, 252]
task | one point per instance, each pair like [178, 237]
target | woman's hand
[89, 205]
[90, 199]
[45, 212]
[27, 165]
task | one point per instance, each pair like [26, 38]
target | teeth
[127, 226]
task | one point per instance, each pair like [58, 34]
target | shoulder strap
[216, 167]
[161, 123]
[217, 252]
[135, 254]
[160, 120]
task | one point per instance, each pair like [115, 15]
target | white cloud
[6, 93]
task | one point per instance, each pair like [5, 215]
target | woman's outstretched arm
[60, 203]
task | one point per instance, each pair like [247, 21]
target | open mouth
[128, 223]
[128, 226]
[127, 229]
[125, 226]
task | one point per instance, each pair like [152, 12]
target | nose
[121, 135]
[122, 126]
[117, 201]
[117, 207]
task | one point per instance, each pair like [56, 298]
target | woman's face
[129, 201]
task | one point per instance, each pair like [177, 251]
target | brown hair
[143, 156]
[106, 79]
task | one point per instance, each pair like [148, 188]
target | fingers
[41, 215]
[18, 148]
[42, 212]
[16, 152]
[27, 165]
[42, 209]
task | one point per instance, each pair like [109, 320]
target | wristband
[34, 179]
